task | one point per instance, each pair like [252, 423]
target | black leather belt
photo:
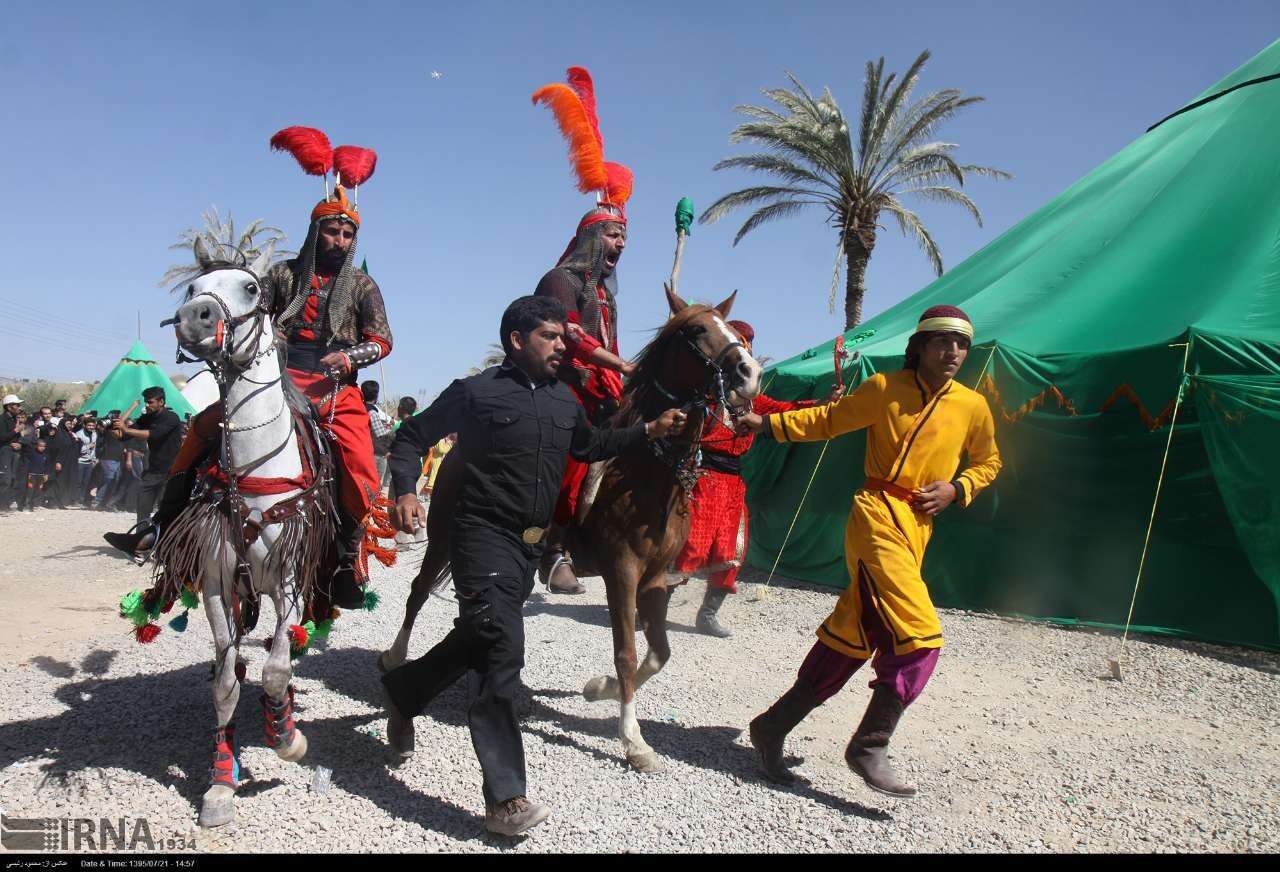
[725, 463]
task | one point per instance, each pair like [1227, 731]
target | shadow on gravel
[149, 724]
[82, 550]
[710, 748]
[589, 613]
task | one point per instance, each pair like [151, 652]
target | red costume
[717, 539]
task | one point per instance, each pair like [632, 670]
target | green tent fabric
[135, 372]
[1085, 312]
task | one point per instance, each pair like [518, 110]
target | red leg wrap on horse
[279, 715]
[226, 762]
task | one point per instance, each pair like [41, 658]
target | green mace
[684, 220]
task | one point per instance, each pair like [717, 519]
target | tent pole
[1155, 502]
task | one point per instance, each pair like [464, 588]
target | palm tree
[493, 357]
[221, 239]
[808, 146]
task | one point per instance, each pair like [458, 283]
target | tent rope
[1155, 502]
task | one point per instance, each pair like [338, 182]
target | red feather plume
[147, 633]
[354, 163]
[580, 82]
[585, 152]
[620, 180]
[309, 147]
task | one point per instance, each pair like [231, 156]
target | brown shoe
[559, 575]
[769, 731]
[868, 751]
[515, 816]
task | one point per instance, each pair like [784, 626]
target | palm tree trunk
[857, 252]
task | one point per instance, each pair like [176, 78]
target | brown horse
[637, 523]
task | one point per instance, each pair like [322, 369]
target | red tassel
[298, 636]
[147, 633]
[355, 164]
[309, 147]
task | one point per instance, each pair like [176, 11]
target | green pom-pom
[684, 216]
[310, 627]
[154, 611]
[322, 629]
[371, 600]
[179, 624]
[189, 598]
[133, 608]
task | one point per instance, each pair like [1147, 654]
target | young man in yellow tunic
[919, 423]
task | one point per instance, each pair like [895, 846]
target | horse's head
[222, 317]
[713, 359]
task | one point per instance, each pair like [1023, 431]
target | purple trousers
[827, 670]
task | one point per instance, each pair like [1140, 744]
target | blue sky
[124, 121]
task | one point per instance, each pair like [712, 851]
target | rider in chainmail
[332, 316]
[586, 282]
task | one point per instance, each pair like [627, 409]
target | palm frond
[890, 105]
[779, 166]
[989, 172]
[944, 194]
[745, 197]
[912, 228]
[767, 213]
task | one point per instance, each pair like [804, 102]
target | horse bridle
[687, 461]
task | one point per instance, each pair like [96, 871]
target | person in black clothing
[11, 423]
[516, 425]
[111, 460]
[38, 466]
[162, 430]
[64, 451]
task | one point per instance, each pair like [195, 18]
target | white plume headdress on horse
[352, 166]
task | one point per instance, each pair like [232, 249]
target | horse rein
[687, 463]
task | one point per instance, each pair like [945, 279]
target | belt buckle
[533, 535]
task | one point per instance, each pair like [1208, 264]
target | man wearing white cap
[10, 449]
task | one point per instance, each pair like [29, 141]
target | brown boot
[868, 751]
[769, 730]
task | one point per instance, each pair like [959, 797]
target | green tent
[1085, 313]
[135, 372]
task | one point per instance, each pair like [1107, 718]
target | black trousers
[148, 491]
[492, 577]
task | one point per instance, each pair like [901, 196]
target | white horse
[236, 543]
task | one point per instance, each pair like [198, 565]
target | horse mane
[642, 386]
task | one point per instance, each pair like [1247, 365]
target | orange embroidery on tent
[1126, 392]
[988, 386]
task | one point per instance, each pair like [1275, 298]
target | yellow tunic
[914, 440]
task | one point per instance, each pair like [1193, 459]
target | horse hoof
[646, 762]
[601, 687]
[218, 807]
[296, 750]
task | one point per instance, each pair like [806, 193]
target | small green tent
[1085, 313]
[135, 372]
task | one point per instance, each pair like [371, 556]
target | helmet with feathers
[574, 107]
[351, 166]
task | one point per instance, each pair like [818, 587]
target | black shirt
[109, 447]
[514, 437]
[164, 439]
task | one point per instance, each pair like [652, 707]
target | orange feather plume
[354, 163]
[309, 147]
[585, 151]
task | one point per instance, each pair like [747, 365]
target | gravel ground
[1019, 744]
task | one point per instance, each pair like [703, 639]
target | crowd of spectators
[53, 459]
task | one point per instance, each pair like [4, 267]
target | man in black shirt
[516, 427]
[162, 430]
[110, 458]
